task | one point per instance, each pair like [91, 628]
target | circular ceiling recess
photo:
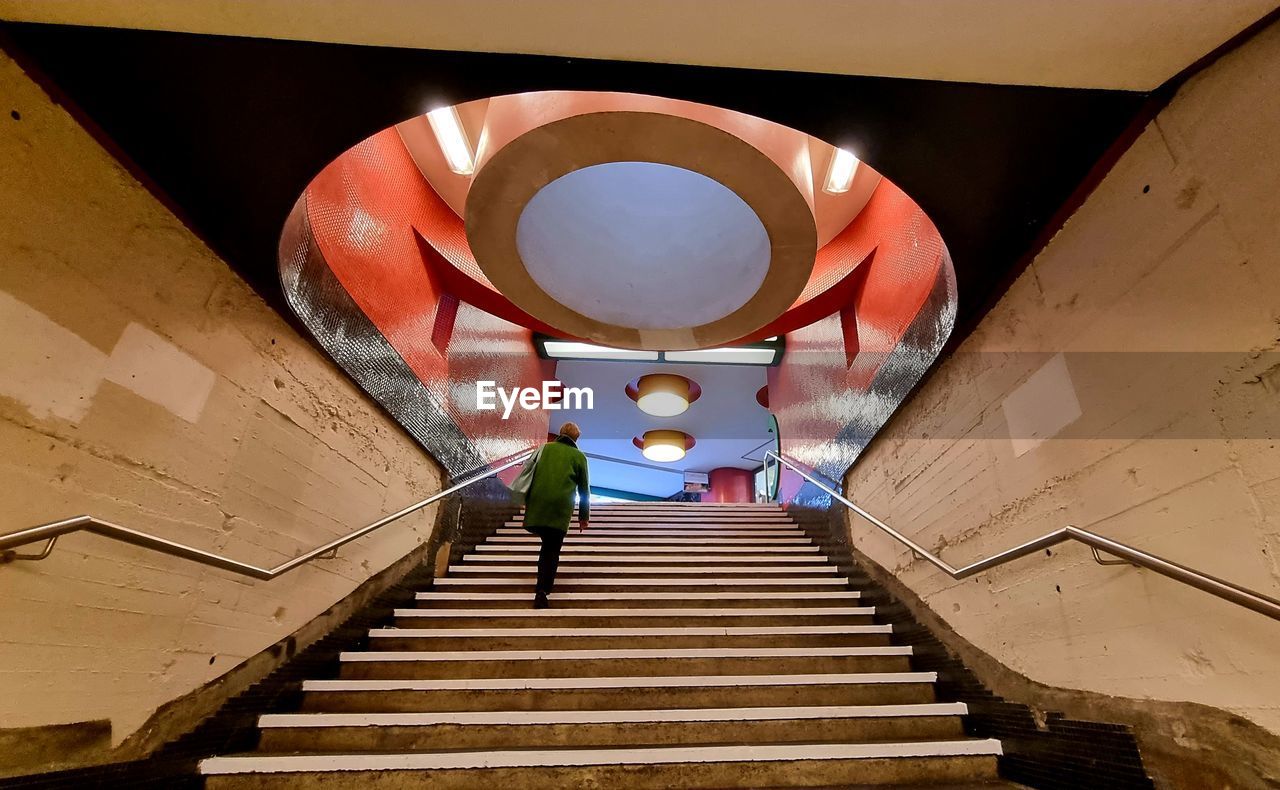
[643, 245]
[664, 446]
[641, 230]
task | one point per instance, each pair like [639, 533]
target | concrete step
[576, 556]
[564, 663]
[685, 543]
[607, 527]
[642, 549]
[372, 732]
[616, 693]
[668, 518]
[470, 599]
[564, 617]
[725, 513]
[570, 571]
[646, 768]
[673, 532]
[619, 637]
[690, 583]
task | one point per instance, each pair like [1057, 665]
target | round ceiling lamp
[663, 394]
[664, 446]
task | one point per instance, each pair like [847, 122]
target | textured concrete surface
[1162, 296]
[143, 382]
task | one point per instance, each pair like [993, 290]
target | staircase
[688, 646]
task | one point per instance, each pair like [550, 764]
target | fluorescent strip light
[840, 174]
[729, 356]
[453, 140]
[567, 349]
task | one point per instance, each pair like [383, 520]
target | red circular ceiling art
[853, 231]
[385, 222]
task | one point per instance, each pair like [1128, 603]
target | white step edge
[673, 533]
[693, 518]
[679, 518]
[779, 611]
[648, 755]
[658, 681]
[436, 595]
[526, 717]
[658, 536]
[575, 539]
[673, 569]
[641, 559]
[583, 631]
[641, 549]
[524, 581]
[621, 653]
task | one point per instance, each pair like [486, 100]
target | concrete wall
[1129, 382]
[143, 382]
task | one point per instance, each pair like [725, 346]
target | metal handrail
[1226, 590]
[52, 531]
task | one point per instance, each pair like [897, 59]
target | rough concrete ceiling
[1117, 44]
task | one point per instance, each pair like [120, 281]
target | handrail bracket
[13, 556]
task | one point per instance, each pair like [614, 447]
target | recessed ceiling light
[665, 447]
[840, 173]
[662, 394]
[453, 140]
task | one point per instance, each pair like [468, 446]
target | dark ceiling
[232, 129]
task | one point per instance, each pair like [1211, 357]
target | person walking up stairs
[554, 474]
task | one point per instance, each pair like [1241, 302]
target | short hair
[571, 430]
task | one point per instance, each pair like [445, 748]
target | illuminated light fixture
[726, 356]
[840, 173]
[663, 394]
[453, 140]
[569, 349]
[762, 352]
[664, 447]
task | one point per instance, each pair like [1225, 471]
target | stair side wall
[143, 382]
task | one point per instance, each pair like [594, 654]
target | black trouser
[548, 555]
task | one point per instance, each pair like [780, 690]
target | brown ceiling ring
[689, 441]
[510, 178]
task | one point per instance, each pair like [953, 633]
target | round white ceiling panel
[643, 245]
[641, 230]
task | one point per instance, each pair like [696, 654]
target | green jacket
[561, 468]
